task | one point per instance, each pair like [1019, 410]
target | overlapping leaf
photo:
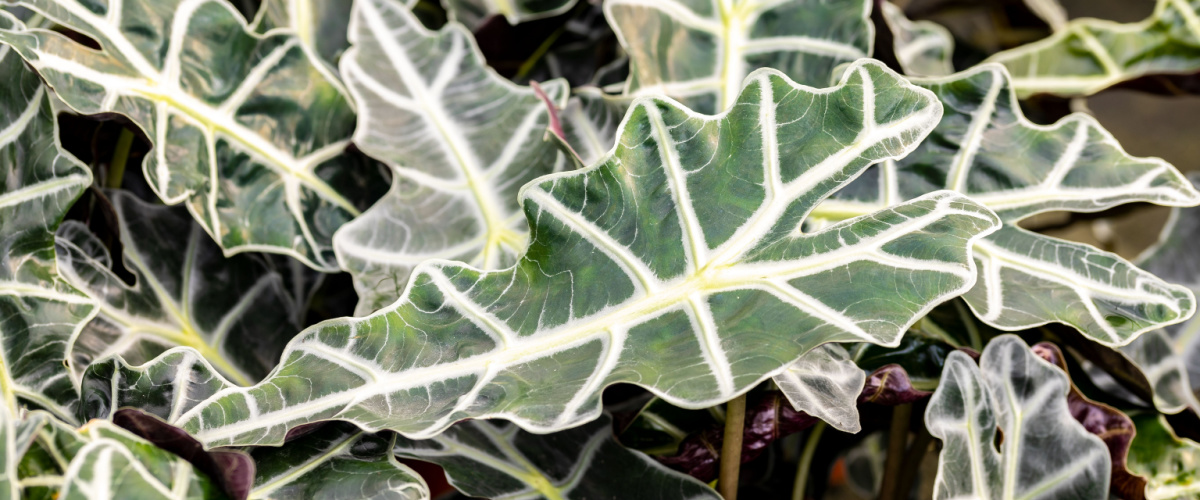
[247, 130]
[1042, 452]
[319, 24]
[1085, 56]
[473, 13]
[167, 386]
[488, 460]
[672, 264]
[923, 48]
[1168, 462]
[985, 148]
[590, 121]
[700, 51]
[39, 311]
[235, 312]
[460, 139]
[336, 462]
[1170, 357]
[826, 384]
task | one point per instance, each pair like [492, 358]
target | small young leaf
[826, 384]
[671, 264]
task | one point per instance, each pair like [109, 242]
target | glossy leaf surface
[825, 383]
[247, 130]
[460, 140]
[923, 48]
[985, 148]
[700, 51]
[658, 266]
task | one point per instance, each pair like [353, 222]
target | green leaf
[826, 384]
[166, 386]
[236, 312]
[1086, 56]
[117, 464]
[1042, 452]
[335, 462]
[1170, 463]
[699, 52]
[319, 24]
[39, 311]
[590, 122]
[488, 460]
[246, 129]
[460, 140]
[986, 149]
[1170, 357]
[473, 13]
[672, 264]
[923, 48]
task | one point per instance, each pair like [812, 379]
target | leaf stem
[731, 448]
[116, 167]
[806, 458]
[897, 443]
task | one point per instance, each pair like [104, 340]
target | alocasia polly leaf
[473, 13]
[231, 470]
[826, 384]
[1170, 357]
[986, 149]
[39, 311]
[1050, 11]
[671, 264]
[1042, 452]
[1168, 461]
[460, 140]
[235, 311]
[1085, 56]
[590, 122]
[167, 386]
[923, 48]
[489, 460]
[319, 24]
[246, 129]
[335, 462]
[700, 51]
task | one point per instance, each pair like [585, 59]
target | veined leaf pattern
[336, 462]
[460, 140]
[166, 386]
[986, 149]
[1085, 56]
[672, 264]
[1044, 452]
[699, 51]
[319, 24]
[923, 48]
[235, 311]
[488, 460]
[246, 129]
[826, 384]
[39, 311]
[590, 121]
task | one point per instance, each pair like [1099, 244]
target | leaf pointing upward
[674, 264]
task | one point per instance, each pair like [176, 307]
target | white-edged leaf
[235, 311]
[590, 122]
[489, 460]
[698, 52]
[115, 464]
[336, 462]
[672, 264]
[1167, 462]
[460, 140]
[247, 130]
[1050, 11]
[39, 311]
[1085, 56]
[1043, 453]
[826, 384]
[923, 48]
[319, 24]
[166, 386]
[985, 148]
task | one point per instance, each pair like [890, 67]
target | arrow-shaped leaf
[39, 311]
[460, 139]
[488, 460]
[235, 312]
[985, 148]
[674, 263]
[1085, 56]
[1042, 453]
[699, 52]
[246, 129]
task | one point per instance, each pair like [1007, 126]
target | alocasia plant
[741, 242]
